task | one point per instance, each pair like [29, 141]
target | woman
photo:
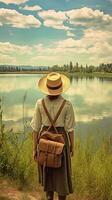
[55, 179]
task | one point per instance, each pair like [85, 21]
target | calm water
[91, 99]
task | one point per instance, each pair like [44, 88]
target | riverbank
[75, 74]
[26, 72]
[94, 74]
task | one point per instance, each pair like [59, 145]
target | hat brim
[42, 84]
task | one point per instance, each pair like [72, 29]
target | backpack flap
[50, 146]
[53, 136]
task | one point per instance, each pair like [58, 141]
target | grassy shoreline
[75, 74]
[91, 170]
[91, 167]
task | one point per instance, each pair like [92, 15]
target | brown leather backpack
[50, 145]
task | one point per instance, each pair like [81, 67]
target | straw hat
[54, 83]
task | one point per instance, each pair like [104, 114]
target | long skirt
[58, 179]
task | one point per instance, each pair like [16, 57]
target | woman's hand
[71, 151]
[71, 139]
[35, 136]
[35, 155]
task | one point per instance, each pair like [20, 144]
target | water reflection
[89, 77]
[91, 97]
[105, 79]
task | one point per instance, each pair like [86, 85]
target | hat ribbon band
[54, 88]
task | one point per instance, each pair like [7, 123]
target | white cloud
[14, 54]
[95, 44]
[104, 49]
[8, 48]
[52, 14]
[70, 34]
[90, 39]
[89, 18]
[31, 8]
[67, 43]
[6, 59]
[54, 19]
[100, 58]
[98, 43]
[93, 47]
[13, 1]
[69, 47]
[18, 20]
[83, 16]
[43, 58]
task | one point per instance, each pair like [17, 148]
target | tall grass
[91, 165]
[92, 169]
[16, 154]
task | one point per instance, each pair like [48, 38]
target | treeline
[13, 68]
[80, 68]
[71, 67]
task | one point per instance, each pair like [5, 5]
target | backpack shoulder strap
[58, 113]
[45, 108]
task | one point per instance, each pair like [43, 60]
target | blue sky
[49, 32]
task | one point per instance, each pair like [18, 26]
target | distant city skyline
[45, 33]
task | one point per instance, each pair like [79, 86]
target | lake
[91, 99]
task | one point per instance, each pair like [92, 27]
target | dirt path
[9, 192]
